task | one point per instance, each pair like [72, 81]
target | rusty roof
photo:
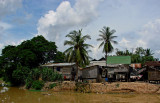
[152, 63]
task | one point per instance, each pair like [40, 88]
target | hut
[90, 73]
[68, 70]
[118, 68]
[153, 71]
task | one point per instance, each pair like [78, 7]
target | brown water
[15, 95]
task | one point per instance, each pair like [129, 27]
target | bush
[52, 85]
[29, 81]
[37, 85]
[49, 75]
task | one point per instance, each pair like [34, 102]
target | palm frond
[71, 43]
[101, 44]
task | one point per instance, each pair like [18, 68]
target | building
[152, 71]
[118, 68]
[68, 70]
[90, 73]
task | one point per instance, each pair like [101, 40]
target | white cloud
[148, 37]
[3, 28]
[58, 22]
[9, 6]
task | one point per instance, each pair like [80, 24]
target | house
[68, 70]
[99, 63]
[90, 73]
[118, 68]
[153, 71]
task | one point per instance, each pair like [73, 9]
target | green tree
[107, 38]
[148, 52]
[77, 52]
[29, 55]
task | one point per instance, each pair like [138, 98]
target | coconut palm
[78, 50]
[148, 52]
[107, 38]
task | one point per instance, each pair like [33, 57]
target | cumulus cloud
[148, 37]
[9, 6]
[55, 23]
[3, 28]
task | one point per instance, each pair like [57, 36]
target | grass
[1, 78]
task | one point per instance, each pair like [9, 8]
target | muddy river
[15, 95]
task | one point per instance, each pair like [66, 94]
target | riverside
[16, 95]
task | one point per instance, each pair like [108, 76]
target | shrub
[117, 85]
[37, 85]
[49, 75]
[29, 81]
[52, 85]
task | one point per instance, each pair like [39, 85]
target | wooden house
[153, 71]
[118, 67]
[90, 73]
[68, 70]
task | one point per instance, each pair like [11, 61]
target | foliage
[77, 52]
[50, 75]
[117, 85]
[139, 56]
[82, 87]
[37, 85]
[28, 81]
[18, 61]
[20, 74]
[107, 38]
[59, 57]
[52, 85]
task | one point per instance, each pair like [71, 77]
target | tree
[16, 61]
[77, 52]
[148, 52]
[107, 38]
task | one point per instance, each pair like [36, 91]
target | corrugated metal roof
[58, 64]
[118, 60]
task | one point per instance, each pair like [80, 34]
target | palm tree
[106, 36]
[77, 52]
[148, 52]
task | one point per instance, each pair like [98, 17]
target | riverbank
[115, 87]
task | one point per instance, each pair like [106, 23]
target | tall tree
[148, 52]
[107, 38]
[78, 50]
[28, 55]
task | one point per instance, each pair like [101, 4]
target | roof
[118, 60]
[58, 64]
[153, 63]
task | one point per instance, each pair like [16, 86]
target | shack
[90, 73]
[118, 68]
[153, 71]
[68, 70]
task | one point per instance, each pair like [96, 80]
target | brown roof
[153, 63]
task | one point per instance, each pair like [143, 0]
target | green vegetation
[20, 64]
[139, 56]
[117, 85]
[52, 85]
[77, 52]
[82, 87]
[37, 85]
[106, 36]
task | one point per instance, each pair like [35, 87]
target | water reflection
[15, 95]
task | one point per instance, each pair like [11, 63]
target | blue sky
[137, 22]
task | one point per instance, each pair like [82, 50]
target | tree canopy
[17, 61]
[77, 52]
[140, 55]
[107, 38]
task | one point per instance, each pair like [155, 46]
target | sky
[137, 22]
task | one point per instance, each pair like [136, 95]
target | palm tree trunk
[76, 72]
[106, 58]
